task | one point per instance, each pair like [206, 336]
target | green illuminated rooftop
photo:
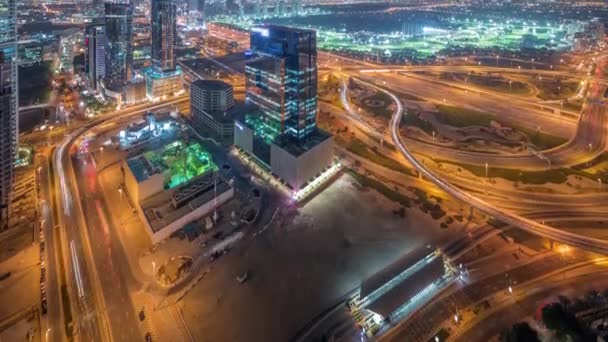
[179, 162]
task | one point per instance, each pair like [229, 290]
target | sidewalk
[161, 322]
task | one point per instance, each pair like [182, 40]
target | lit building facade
[212, 106]
[285, 84]
[9, 119]
[160, 84]
[119, 46]
[282, 83]
[95, 63]
[163, 78]
[164, 32]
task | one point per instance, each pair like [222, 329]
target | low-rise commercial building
[160, 84]
[212, 106]
[172, 186]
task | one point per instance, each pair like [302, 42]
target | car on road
[243, 277]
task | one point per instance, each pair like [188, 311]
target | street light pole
[120, 192]
[486, 182]
[153, 279]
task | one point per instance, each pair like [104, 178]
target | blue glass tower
[119, 45]
[283, 84]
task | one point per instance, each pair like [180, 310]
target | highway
[54, 267]
[596, 245]
[427, 321]
[587, 133]
[87, 305]
[528, 299]
[102, 307]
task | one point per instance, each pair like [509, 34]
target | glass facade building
[164, 32]
[283, 83]
[163, 78]
[9, 120]
[95, 41]
[119, 45]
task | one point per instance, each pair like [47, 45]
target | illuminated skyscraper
[119, 45]
[95, 63]
[163, 78]
[163, 34]
[282, 83]
[287, 92]
[9, 119]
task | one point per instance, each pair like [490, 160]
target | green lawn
[412, 119]
[557, 176]
[381, 188]
[383, 101]
[410, 97]
[526, 177]
[552, 89]
[489, 82]
[359, 148]
[462, 117]
[542, 141]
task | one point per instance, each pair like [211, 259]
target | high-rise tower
[292, 55]
[164, 33]
[9, 103]
[119, 45]
[282, 83]
[164, 78]
[95, 41]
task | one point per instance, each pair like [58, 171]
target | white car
[242, 278]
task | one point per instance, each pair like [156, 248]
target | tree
[592, 297]
[520, 332]
[562, 322]
[565, 302]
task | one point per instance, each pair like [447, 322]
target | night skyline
[304, 171]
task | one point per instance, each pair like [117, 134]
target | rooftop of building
[297, 148]
[212, 84]
[408, 289]
[160, 210]
[392, 271]
[177, 161]
[154, 73]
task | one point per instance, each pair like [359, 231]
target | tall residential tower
[163, 78]
[164, 32]
[95, 63]
[8, 104]
[119, 46]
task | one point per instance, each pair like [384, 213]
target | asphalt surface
[427, 320]
[542, 293]
[112, 266]
[53, 271]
